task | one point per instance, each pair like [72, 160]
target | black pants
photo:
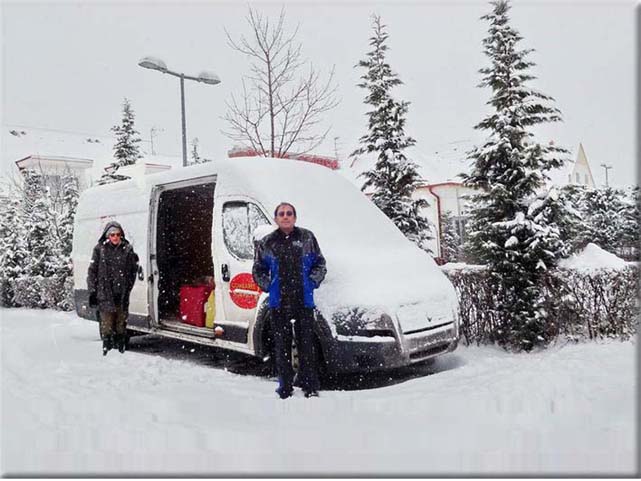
[282, 334]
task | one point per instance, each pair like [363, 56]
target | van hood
[405, 284]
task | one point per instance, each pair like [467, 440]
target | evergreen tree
[38, 224]
[394, 177]
[508, 171]
[195, 156]
[450, 238]
[40, 264]
[62, 289]
[603, 211]
[630, 235]
[13, 252]
[570, 218]
[126, 149]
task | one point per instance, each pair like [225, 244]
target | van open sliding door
[180, 247]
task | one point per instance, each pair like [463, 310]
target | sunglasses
[284, 213]
[115, 235]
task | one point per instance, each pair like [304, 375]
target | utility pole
[606, 167]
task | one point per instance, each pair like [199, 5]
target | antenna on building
[152, 134]
[606, 167]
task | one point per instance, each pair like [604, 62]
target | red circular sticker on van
[244, 291]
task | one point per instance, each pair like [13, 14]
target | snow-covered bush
[595, 304]
[582, 303]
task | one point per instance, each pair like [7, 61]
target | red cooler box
[192, 304]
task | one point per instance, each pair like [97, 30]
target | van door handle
[225, 272]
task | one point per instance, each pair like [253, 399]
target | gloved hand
[93, 299]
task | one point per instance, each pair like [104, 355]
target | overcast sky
[68, 66]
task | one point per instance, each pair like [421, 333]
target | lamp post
[204, 77]
[606, 167]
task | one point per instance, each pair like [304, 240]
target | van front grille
[430, 351]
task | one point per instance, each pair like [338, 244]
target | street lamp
[606, 167]
[210, 78]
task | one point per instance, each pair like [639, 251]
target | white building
[55, 152]
[444, 191]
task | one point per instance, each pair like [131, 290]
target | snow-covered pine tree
[195, 157]
[13, 252]
[63, 295]
[450, 238]
[39, 242]
[508, 171]
[630, 232]
[570, 217]
[603, 210]
[394, 177]
[126, 150]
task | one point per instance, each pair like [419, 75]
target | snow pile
[461, 266]
[592, 257]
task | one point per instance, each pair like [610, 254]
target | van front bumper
[357, 354]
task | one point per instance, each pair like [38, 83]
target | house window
[459, 224]
[578, 178]
[586, 179]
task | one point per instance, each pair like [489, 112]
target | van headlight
[357, 321]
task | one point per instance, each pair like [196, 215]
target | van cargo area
[183, 243]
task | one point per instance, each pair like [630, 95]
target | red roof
[329, 162]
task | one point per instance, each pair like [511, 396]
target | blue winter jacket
[266, 266]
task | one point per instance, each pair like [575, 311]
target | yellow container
[210, 311]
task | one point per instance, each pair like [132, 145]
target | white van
[384, 302]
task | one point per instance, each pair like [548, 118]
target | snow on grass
[165, 408]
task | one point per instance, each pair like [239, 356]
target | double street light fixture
[204, 77]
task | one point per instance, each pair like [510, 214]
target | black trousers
[282, 333]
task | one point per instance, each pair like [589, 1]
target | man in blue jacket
[289, 265]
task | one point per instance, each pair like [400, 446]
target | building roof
[26, 146]
[45, 160]
[325, 161]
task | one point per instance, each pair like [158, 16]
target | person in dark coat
[289, 265]
[111, 276]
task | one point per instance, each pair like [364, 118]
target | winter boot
[121, 343]
[107, 345]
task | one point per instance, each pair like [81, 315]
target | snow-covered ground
[167, 408]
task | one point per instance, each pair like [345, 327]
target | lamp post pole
[606, 167]
[204, 77]
[184, 122]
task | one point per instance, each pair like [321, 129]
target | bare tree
[283, 98]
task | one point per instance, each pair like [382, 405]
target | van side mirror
[141, 275]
